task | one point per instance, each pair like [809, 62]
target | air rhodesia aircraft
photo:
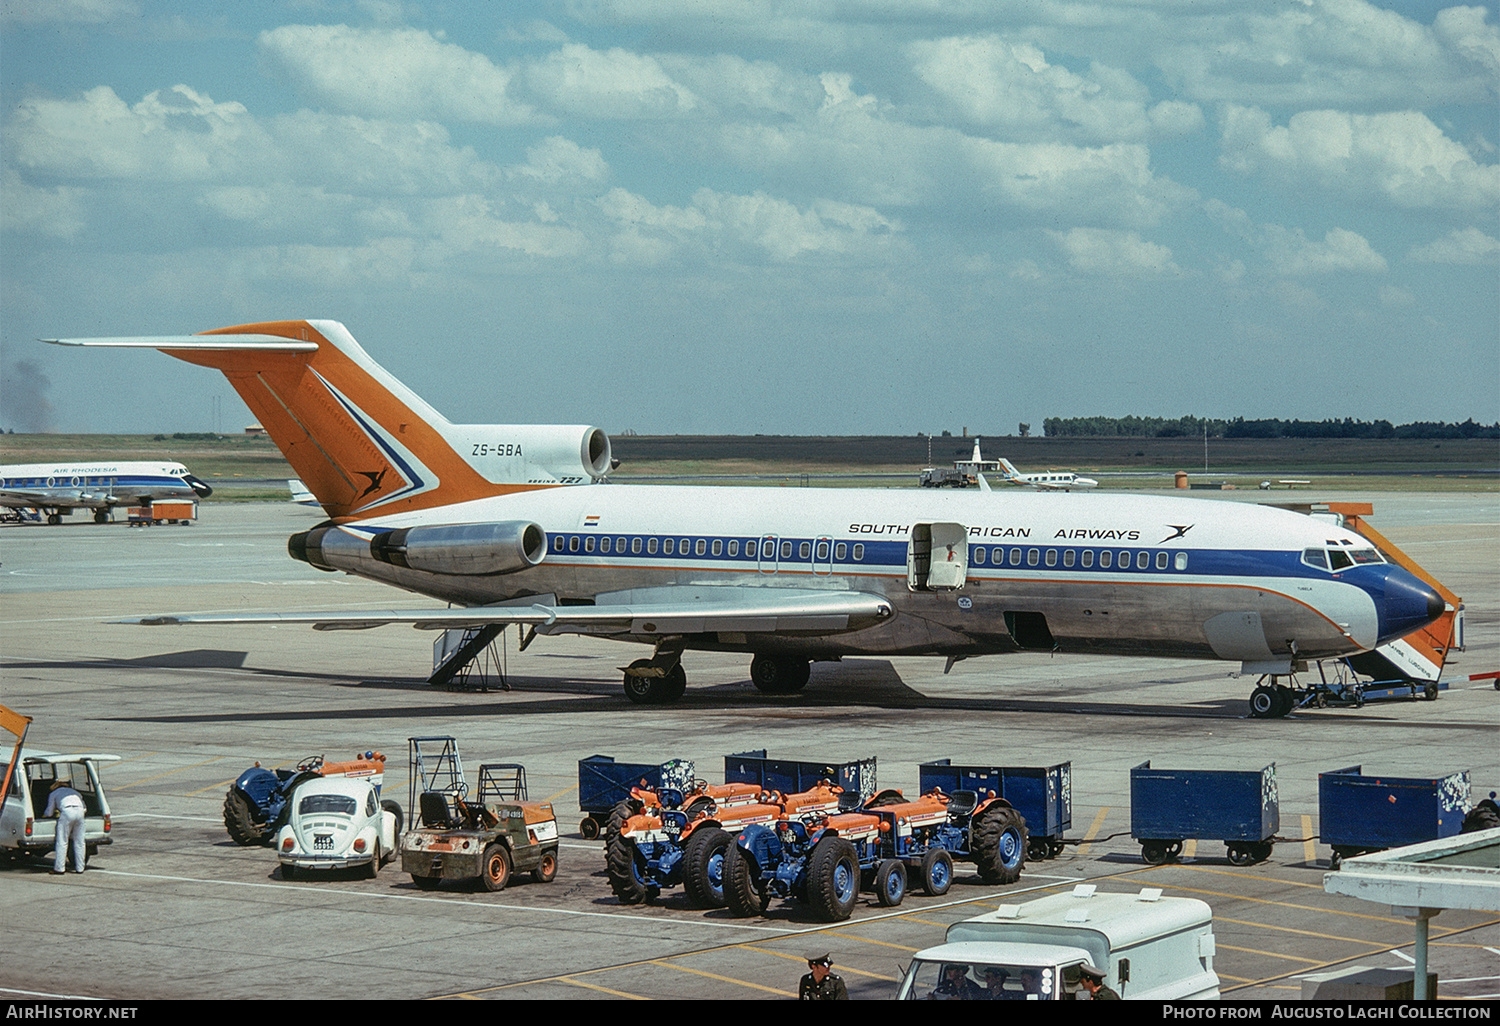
[481, 516]
[57, 489]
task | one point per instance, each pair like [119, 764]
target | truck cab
[23, 830]
[1149, 947]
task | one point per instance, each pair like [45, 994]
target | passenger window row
[717, 548]
[1085, 559]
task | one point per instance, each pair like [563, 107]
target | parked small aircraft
[479, 516]
[1052, 480]
[57, 489]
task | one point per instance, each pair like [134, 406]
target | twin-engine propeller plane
[480, 516]
[57, 489]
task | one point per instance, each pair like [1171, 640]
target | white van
[1149, 947]
[23, 830]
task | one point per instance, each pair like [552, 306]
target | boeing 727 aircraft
[57, 489]
[479, 516]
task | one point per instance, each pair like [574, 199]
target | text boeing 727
[473, 515]
[56, 489]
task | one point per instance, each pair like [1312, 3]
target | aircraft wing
[651, 611]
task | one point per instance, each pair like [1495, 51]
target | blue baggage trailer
[604, 783]
[790, 776]
[1043, 795]
[1359, 814]
[1238, 807]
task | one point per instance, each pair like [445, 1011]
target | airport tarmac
[173, 909]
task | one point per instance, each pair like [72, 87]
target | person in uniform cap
[1093, 982]
[819, 984]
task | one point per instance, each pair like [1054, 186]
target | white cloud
[1464, 246]
[400, 72]
[558, 160]
[1008, 87]
[578, 80]
[757, 222]
[1291, 252]
[78, 12]
[1402, 156]
[1101, 251]
[56, 212]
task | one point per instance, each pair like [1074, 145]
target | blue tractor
[255, 806]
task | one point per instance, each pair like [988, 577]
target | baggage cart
[791, 776]
[1238, 807]
[1043, 795]
[604, 783]
[1359, 814]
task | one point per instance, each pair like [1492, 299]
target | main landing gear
[779, 675]
[661, 679]
[1272, 701]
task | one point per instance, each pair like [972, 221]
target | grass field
[250, 469]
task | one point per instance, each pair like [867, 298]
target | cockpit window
[1339, 559]
[1366, 556]
[1315, 557]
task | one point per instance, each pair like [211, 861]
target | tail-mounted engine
[458, 549]
[535, 454]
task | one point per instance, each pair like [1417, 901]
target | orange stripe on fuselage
[332, 454]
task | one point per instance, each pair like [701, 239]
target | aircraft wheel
[779, 675]
[655, 690]
[54, 518]
[1286, 701]
[1263, 703]
[101, 516]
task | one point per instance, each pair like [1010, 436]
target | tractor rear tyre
[779, 675]
[624, 875]
[1000, 846]
[494, 868]
[743, 894]
[890, 883]
[833, 879]
[546, 870]
[937, 872]
[703, 866]
[241, 824]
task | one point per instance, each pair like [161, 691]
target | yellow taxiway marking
[555, 797]
[844, 969]
[1093, 831]
[1190, 848]
[1283, 904]
[168, 773]
[1270, 954]
[878, 943]
[1309, 846]
[603, 990]
[722, 979]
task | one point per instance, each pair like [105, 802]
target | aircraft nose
[1409, 603]
[197, 485]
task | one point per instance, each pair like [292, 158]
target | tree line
[1239, 427]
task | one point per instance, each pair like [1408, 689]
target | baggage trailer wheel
[589, 828]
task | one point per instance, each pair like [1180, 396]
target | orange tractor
[668, 838]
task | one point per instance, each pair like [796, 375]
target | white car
[337, 823]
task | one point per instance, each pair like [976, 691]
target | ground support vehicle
[792, 776]
[604, 783]
[1241, 808]
[490, 838]
[337, 823]
[927, 834]
[1358, 814]
[1149, 947]
[1043, 795]
[24, 832]
[255, 806]
[670, 839]
[183, 513]
[820, 862]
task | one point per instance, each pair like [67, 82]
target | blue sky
[890, 216]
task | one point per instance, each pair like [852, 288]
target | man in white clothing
[68, 806]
